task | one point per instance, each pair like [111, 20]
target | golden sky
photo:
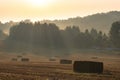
[53, 9]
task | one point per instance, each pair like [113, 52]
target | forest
[28, 35]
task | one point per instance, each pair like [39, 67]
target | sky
[17, 10]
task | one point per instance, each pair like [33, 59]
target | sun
[41, 3]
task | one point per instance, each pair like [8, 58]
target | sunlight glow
[40, 3]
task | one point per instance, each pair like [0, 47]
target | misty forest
[28, 36]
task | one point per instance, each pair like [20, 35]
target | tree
[94, 33]
[99, 40]
[115, 34]
[37, 34]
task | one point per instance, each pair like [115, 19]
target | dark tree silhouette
[43, 35]
[115, 34]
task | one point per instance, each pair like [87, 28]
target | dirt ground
[46, 70]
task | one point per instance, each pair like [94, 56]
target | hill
[99, 21]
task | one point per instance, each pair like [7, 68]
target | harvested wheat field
[48, 70]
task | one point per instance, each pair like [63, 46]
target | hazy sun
[41, 2]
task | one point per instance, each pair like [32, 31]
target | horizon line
[50, 19]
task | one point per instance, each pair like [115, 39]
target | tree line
[43, 35]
